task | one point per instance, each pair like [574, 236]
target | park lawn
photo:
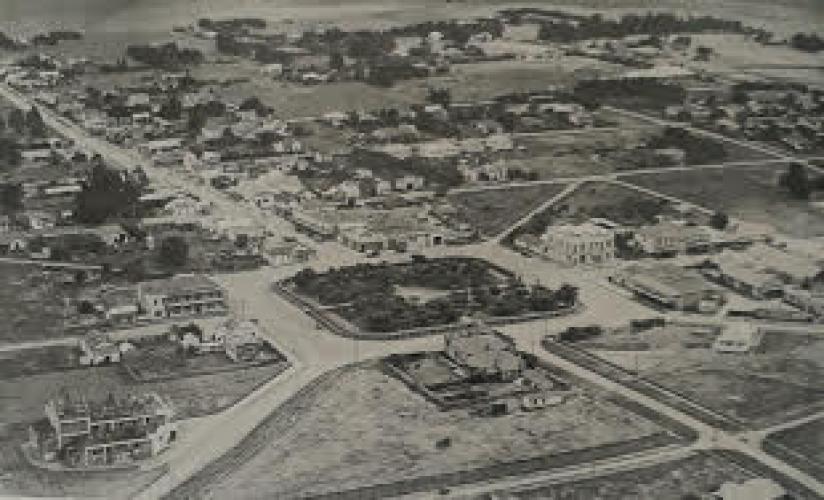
[742, 192]
[384, 432]
[493, 211]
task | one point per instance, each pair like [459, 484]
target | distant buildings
[180, 296]
[100, 433]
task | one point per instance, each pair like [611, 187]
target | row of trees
[811, 42]
[164, 56]
[22, 123]
[598, 26]
[592, 93]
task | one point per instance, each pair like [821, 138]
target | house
[738, 338]
[284, 253]
[239, 340]
[758, 488]
[669, 237]
[484, 354]
[115, 430]
[410, 183]
[242, 343]
[152, 148]
[579, 244]
[745, 277]
[98, 349]
[181, 295]
[670, 286]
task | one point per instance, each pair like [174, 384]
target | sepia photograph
[412, 249]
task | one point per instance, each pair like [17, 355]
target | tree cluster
[164, 56]
[598, 26]
[699, 150]
[366, 294]
[107, 193]
[811, 42]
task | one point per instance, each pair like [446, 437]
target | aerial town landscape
[475, 249]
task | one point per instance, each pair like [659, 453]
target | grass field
[742, 192]
[758, 389]
[802, 446]
[382, 431]
[492, 211]
[32, 308]
[23, 397]
[599, 199]
[697, 475]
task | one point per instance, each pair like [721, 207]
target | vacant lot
[31, 306]
[23, 397]
[759, 388]
[742, 192]
[492, 211]
[382, 431]
[617, 203]
[802, 446]
[697, 475]
[575, 153]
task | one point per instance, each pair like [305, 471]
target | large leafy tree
[107, 193]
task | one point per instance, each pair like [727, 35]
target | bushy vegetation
[164, 56]
[807, 42]
[648, 91]
[572, 29]
[699, 150]
[107, 194]
[366, 295]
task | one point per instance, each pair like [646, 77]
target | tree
[106, 193]
[10, 156]
[34, 122]
[719, 221]
[11, 198]
[336, 60]
[441, 96]
[197, 119]
[796, 181]
[171, 109]
[174, 252]
[17, 121]
[703, 53]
